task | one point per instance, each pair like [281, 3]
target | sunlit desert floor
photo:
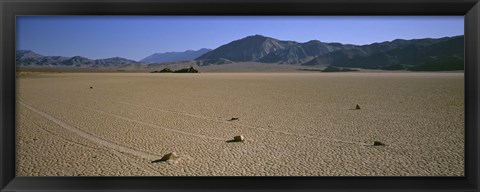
[293, 123]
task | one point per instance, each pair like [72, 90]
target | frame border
[470, 9]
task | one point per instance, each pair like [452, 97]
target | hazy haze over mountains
[417, 54]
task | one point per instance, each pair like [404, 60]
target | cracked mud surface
[294, 124]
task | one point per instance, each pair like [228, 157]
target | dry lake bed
[294, 124]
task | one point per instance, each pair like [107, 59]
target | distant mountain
[174, 56]
[269, 50]
[416, 54]
[78, 61]
[251, 48]
[27, 58]
[302, 52]
[113, 62]
[421, 54]
[26, 54]
[426, 54]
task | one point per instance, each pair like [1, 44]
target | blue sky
[136, 37]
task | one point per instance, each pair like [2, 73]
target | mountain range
[417, 54]
[27, 58]
[174, 56]
[426, 54]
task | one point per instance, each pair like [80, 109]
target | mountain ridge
[173, 56]
[444, 53]
[408, 55]
[389, 55]
[28, 58]
[250, 48]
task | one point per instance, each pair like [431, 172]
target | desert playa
[294, 124]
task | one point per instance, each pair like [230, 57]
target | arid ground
[121, 124]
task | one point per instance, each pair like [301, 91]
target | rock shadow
[158, 161]
[233, 119]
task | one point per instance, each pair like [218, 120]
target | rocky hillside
[424, 54]
[26, 58]
[174, 56]
[417, 54]
[251, 48]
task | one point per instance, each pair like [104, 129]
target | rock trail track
[118, 149]
[208, 118]
[92, 138]
[243, 125]
[118, 153]
[139, 122]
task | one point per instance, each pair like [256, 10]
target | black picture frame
[470, 9]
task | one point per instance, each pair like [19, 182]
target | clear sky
[136, 37]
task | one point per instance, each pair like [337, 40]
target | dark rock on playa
[378, 143]
[167, 157]
[239, 138]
